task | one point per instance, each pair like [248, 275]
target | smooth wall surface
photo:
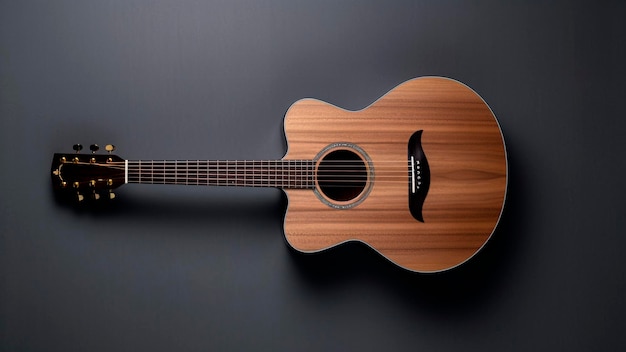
[183, 268]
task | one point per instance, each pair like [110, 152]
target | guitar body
[467, 170]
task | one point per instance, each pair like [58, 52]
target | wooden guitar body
[463, 144]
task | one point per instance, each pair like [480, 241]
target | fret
[295, 173]
[199, 174]
[245, 175]
[194, 174]
[300, 171]
[289, 174]
[266, 174]
[308, 174]
[207, 173]
[154, 172]
[218, 173]
[165, 173]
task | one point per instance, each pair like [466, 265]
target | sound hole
[341, 175]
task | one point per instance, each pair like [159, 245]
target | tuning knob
[77, 147]
[109, 148]
[94, 148]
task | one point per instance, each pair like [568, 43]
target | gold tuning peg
[109, 148]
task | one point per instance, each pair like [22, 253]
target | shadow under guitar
[458, 292]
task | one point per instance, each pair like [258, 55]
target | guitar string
[280, 183]
[254, 173]
[278, 172]
[230, 164]
[257, 183]
[244, 177]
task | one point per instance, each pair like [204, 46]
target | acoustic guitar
[420, 175]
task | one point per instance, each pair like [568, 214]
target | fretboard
[248, 173]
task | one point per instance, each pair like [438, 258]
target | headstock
[88, 176]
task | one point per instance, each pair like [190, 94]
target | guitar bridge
[419, 176]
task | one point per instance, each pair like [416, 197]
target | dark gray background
[183, 268]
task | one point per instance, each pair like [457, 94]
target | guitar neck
[244, 173]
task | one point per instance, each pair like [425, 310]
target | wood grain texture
[465, 150]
